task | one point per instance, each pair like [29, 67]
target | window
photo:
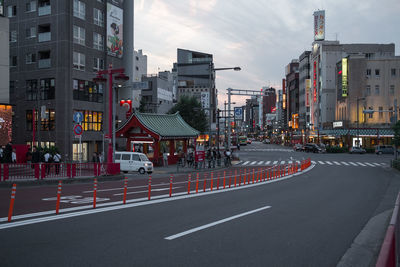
[13, 61]
[29, 120]
[87, 91]
[98, 64]
[30, 58]
[11, 11]
[47, 123]
[371, 115]
[391, 90]
[31, 32]
[380, 112]
[377, 72]
[31, 6]
[98, 41]
[31, 90]
[12, 86]
[137, 68]
[368, 72]
[79, 61]
[98, 17]
[79, 35]
[376, 89]
[368, 90]
[47, 88]
[79, 9]
[92, 120]
[13, 36]
[391, 113]
[393, 72]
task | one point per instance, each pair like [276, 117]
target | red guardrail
[28, 171]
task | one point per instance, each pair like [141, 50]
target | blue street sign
[238, 113]
[78, 130]
[78, 117]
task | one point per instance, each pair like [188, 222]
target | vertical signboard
[319, 25]
[2, 8]
[114, 31]
[283, 94]
[5, 124]
[344, 77]
[308, 88]
[315, 80]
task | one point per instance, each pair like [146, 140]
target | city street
[310, 219]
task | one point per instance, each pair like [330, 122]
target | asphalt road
[307, 220]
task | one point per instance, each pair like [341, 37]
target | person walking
[165, 159]
[57, 160]
[14, 156]
[47, 160]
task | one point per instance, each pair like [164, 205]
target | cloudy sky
[260, 36]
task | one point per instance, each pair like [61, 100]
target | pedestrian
[218, 158]
[1, 154]
[209, 157]
[14, 156]
[47, 161]
[165, 159]
[213, 156]
[28, 157]
[57, 160]
[8, 153]
[35, 155]
[95, 157]
[238, 146]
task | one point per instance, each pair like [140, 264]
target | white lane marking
[246, 162]
[328, 162]
[172, 237]
[353, 164]
[337, 163]
[254, 162]
[361, 164]
[344, 163]
[377, 164]
[267, 162]
[321, 162]
[121, 188]
[369, 164]
[259, 163]
[145, 191]
[275, 162]
[87, 209]
[313, 162]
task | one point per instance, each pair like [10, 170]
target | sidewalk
[173, 169]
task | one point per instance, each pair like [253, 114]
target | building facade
[292, 89]
[4, 60]
[304, 89]
[56, 49]
[157, 98]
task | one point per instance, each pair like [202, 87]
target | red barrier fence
[31, 171]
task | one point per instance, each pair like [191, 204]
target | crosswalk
[268, 149]
[325, 163]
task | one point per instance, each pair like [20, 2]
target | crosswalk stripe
[259, 163]
[369, 164]
[344, 163]
[282, 162]
[352, 163]
[267, 162]
[313, 162]
[246, 162]
[330, 163]
[254, 162]
[321, 162]
[337, 163]
[361, 164]
[275, 162]
[377, 164]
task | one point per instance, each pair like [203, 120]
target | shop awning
[361, 132]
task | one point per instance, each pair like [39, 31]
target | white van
[133, 161]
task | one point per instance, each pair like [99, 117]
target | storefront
[158, 134]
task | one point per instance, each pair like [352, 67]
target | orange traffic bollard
[197, 183]
[58, 197]
[149, 193]
[170, 185]
[253, 176]
[94, 193]
[235, 176]
[224, 178]
[212, 181]
[10, 210]
[125, 190]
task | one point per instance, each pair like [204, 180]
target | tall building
[139, 70]
[323, 59]
[56, 47]
[269, 104]
[157, 98]
[304, 89]
[4, 61]
[196, 77]
[292, 91]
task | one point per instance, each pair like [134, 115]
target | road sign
[238, 113]
[78, 130]
[78, 117]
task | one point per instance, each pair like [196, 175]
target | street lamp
[212, 69]
[358, 137]
[100, 79]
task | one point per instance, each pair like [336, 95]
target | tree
[142, 105]
[190, 110]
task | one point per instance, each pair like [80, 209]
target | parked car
[267, 141]
[314, 148]
[384, 149]
[133, 161]
[298, 147]
[357, 149]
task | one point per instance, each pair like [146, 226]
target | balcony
[44, 37]
[44, 63]
[44, 10]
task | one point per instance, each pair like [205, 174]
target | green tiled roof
[167, 125]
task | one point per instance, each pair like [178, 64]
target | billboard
[205, 102]
[344, 77]
[114, 31]
[5, 124]
[315, 80]
[319, 25]
[308, 88]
